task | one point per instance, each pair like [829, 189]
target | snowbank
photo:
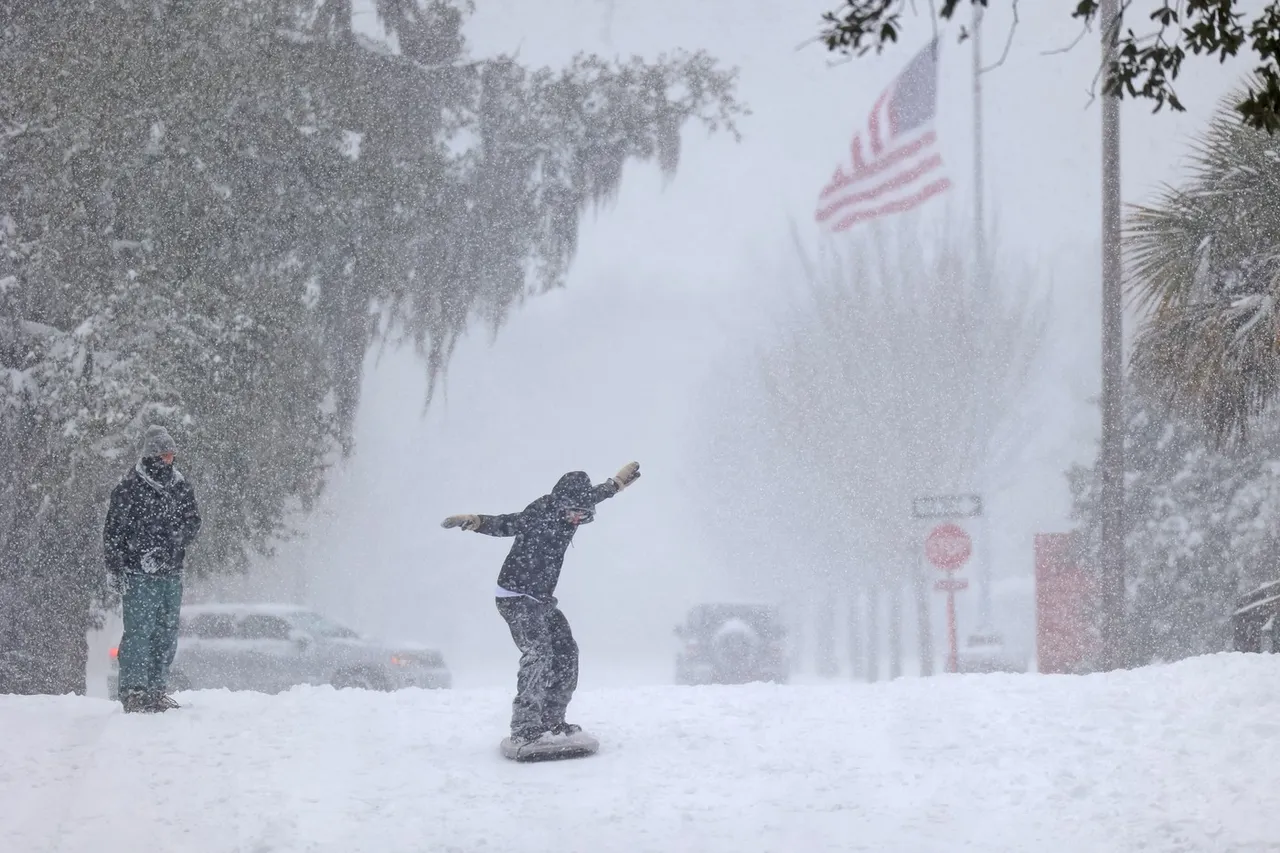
[1182, 757]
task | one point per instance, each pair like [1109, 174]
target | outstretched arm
[500, 525]
[626, 475]
[489, 525]
[604, 491]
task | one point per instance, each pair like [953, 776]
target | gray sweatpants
[548, 663]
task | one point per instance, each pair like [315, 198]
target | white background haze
[674, 278]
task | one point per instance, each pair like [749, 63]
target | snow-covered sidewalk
[1177, 758]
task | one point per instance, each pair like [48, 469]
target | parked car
[732, 644]
[272, 647]
[1255, 623]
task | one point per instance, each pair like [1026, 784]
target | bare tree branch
[1008, 43]
[1084, 31]
[802, 45]
[1102, 68]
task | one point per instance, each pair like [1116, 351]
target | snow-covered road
[1178, 758]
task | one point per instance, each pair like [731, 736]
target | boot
[565, 729]
[135, 702]
[162, 702]
[524, 737]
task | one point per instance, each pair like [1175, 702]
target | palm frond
[1204, 270]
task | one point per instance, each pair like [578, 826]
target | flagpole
[982, 297]
[979, 231]
[1111, 462]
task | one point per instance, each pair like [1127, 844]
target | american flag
[901, 166]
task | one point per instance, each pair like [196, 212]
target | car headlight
[429, 659]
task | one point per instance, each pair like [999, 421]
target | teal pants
[150, 639]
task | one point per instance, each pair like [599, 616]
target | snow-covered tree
[1200, 526]
[212, 209]
[894, 375]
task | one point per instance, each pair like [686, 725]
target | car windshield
[318, 626]
[762, 618]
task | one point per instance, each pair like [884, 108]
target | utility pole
[1111, 464]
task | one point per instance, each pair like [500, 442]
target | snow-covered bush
[1201, 526]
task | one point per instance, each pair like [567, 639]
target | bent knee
[537, 651]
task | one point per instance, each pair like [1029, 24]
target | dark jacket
[543, 531]
[153, 516]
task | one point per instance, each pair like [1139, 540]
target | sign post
[948, 547]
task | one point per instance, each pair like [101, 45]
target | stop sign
[948, 547]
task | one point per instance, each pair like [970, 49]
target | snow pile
[1182, 757]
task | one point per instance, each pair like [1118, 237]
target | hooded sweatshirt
[543, 531]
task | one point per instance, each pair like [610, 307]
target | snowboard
[554, 748]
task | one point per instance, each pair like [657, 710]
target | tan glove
[466, 522]
[626, 475]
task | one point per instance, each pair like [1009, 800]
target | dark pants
[548, 663]
[150, 640]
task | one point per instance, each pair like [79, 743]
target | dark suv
[732, 644]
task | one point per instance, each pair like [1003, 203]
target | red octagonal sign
[948, 547]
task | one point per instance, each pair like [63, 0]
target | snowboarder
[151, 520]
[526, 596]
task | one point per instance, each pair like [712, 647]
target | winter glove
[466, 522]
[626, 475]
[153, 561]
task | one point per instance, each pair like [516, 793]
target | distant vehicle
[732, 644]
[1255, 624]
[986, 653]
[268, 648]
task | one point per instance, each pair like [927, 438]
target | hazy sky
[672, 278]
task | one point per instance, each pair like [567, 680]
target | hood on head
[573, 488]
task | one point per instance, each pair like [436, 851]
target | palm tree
[1204, 263]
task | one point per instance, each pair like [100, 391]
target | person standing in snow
[525, 596]
[151, 521]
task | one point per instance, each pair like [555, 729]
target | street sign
[951, 585]
[948, 547]
[947, 506]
